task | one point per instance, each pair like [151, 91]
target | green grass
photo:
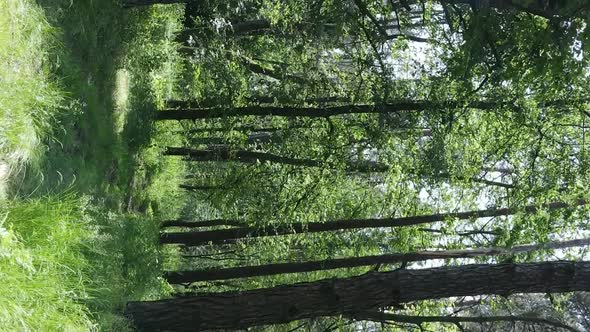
[82, 180]
[42, 267]
[114, 67]
[29, 99]
[68, 265]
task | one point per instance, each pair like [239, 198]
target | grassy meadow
[81, 178]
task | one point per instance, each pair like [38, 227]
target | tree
[136, 3]
[222, 235]
[182, 277]
[347, 296]
[318, 112]
[501, 87]
[196, 224]
[223, 153]
[236, 29]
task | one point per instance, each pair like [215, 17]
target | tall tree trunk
[277, 74]
[197, 188]
[315, 112]
[197, 224]
[223, 153]
[347, 296]
[311, 100]
[138, 3]
[180, 112]
[175, 103]
[219, 236]
[254, 129]
[543, 8]
[180, 277]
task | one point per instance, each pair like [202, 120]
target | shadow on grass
[84, 149]
[93, 150]
[105, 61]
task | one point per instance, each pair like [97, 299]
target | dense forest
[294, 165]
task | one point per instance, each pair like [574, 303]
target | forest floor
[82, 183]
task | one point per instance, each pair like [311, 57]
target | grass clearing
[82, 181]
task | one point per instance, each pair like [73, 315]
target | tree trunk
[311, 100]
[138, 3]
[196, 224]
[314, 112]
[175, 103]
[180, 277]
[544, 8]
[197, 188]
[237, 128]
[225, 154]
[277, 74]
[219, 236]
[347, 296]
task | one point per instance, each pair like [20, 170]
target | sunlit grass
[28, 98]
[42, 266]
[67, 265]
[78, 83]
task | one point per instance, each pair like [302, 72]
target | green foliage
[525, 146]
[81, 81]
[125, 265]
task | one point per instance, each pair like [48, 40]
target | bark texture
[179, 277]
[219, 236]
[346, 296]
[224, 153]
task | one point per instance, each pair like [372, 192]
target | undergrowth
[43, 268]
[29, 99]
[82, 181]
[66, 265]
